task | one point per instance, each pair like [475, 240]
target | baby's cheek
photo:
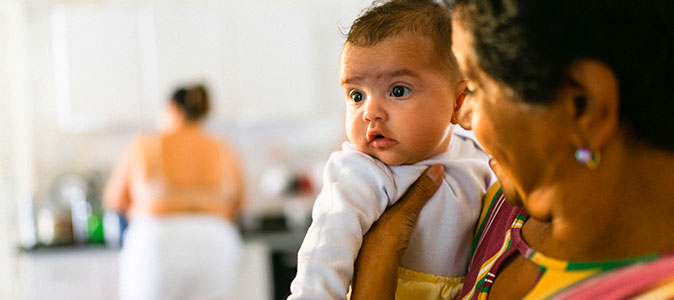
[426, 138]
[352, 127]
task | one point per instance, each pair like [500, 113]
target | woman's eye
[399, 91]
[356, 96]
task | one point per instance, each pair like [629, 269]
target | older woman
[574, 101]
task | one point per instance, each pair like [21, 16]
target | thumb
[422, 190]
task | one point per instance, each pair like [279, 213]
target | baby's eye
[399, 91]
[356, 96]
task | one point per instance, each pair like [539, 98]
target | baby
[403, 90]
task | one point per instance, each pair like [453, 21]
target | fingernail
[435, 173]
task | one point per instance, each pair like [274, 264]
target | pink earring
[588, 158]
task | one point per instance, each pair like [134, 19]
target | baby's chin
[389, 157]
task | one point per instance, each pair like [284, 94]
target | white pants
[186, 257]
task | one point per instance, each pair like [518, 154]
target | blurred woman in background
[180, 189]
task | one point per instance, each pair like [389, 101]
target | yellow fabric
[414, 285]
[555, 280]
[556, 276]
[486, 202]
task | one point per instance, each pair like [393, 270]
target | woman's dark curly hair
[527, 45]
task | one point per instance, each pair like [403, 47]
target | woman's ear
[595, 102]
[463, 109]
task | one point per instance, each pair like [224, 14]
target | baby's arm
[356, 190]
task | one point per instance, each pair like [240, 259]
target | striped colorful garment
[498, 237]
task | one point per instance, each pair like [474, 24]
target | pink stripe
[623, 283]
[495, 211]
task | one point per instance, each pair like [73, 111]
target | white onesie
[357, 188]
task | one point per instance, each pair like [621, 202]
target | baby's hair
[386, 19]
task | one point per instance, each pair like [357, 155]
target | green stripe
[483, 290]
[479, 283]
[478, 234]
[608, 265]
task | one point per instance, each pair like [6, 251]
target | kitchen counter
[90, 271]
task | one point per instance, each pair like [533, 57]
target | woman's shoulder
[138, 145]
[142, 140]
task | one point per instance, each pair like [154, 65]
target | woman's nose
[374, 110]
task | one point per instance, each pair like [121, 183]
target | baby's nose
[374, 111]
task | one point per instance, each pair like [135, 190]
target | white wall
[16, 160]
[271, 67]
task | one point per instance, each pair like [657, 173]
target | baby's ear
[462, 112]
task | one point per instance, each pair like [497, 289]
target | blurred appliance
[72, 191]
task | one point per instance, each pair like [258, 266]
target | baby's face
[398, 106]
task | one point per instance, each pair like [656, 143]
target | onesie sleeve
[356, 191]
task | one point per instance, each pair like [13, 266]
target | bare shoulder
[143, 142]
[137, 147]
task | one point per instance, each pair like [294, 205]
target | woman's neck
[181, 125]
[623, 209]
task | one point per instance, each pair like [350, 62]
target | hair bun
[192, 101]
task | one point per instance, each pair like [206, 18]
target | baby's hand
[376, 268]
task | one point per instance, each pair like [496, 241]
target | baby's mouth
[374, 134]
[378, 140]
